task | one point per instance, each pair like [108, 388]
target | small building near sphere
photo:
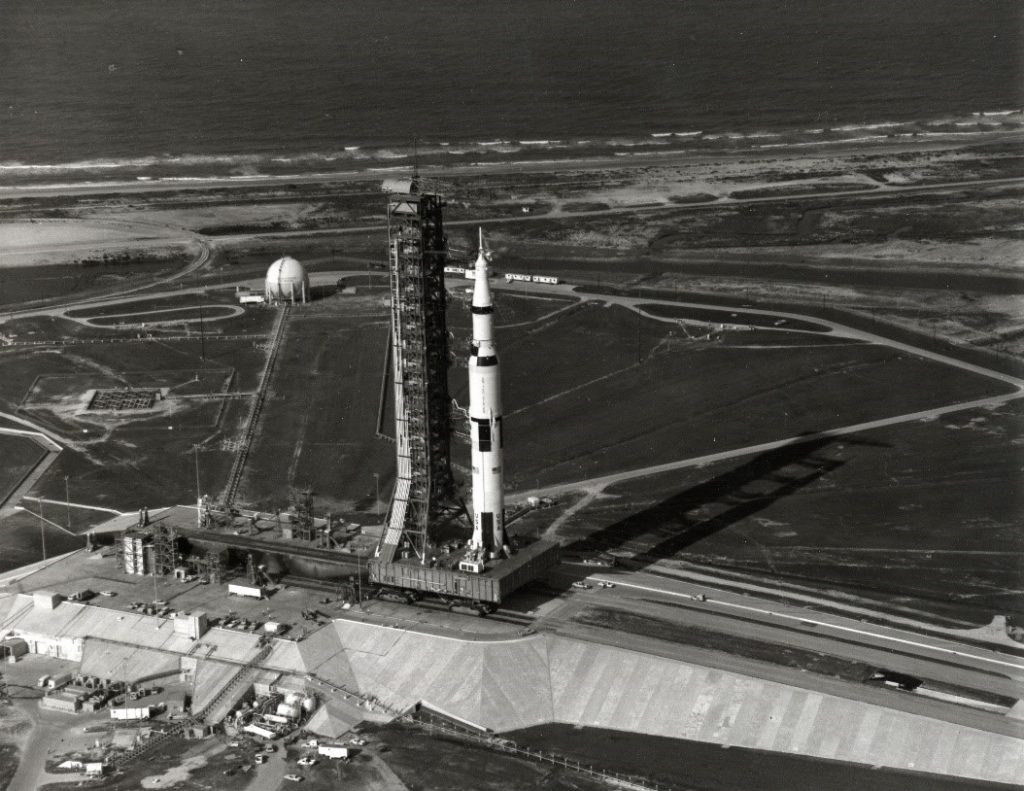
[287, 281]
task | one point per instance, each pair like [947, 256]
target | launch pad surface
[492, 586]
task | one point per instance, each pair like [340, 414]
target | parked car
[307, 761]
[582, 586]
[294, 778]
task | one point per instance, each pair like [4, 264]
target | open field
[651, 395]
[435, 762]
[23, 538]
[18, 456]
[30, 284]
[143, 458]
[890, 516]
[210, 313]
[318, 424]
[719, 316]
[143, 304]
[707, 767]
[688, 634]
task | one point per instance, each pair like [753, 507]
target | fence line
[627, 781]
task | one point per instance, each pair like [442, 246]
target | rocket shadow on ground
[677, 523]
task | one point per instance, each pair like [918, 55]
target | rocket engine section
[485, 422]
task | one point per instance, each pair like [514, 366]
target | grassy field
[17, 458]
[697, 766]
[144, 303]
[8, 763]
[651, 396]
[21, 285]
[729, 317]
[318, 423]
[23, 538]
[209, 313]
[892, 516]
[734, 645]
[439, 763]
[126, 463]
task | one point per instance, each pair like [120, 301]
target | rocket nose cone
[481, 287]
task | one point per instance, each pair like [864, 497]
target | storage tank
[287, 281]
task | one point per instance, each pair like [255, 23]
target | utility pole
[67, 500]
[376, 480]
[202, 331]
[42, 528]
[199, 495]
[359, 579]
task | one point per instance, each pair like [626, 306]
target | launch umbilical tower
[418, 251]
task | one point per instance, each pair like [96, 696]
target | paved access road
[781, 625]
[1012, 385]
[832, 628]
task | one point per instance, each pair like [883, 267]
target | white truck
[59, 680]
[251, 591]
[131, 713]
[333, 751]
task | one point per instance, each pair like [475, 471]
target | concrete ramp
[504, 685]
[120, 662]
[333, 719]
[211, 678]
[322, 654]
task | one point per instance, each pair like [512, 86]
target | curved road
[595, 485]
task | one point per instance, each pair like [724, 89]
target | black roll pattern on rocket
[485, 421]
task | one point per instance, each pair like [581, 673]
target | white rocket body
[485, 420]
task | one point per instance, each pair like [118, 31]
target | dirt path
[46, 733]
[270, 776]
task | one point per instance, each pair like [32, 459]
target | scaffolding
[418, 252]
[302, 522]
[165, 550]
[211, 566]
[131, 549]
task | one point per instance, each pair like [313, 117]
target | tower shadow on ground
[678, 522]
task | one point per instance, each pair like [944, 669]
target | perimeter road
[594, 485]
[887, 635]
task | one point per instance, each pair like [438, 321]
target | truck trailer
[333, 750]
[251, 591]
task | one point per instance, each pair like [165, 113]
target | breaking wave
[366, 156]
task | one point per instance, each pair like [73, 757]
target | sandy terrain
[42, 242]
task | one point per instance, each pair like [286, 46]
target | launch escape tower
[418, 252]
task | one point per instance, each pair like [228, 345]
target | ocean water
[246, 82]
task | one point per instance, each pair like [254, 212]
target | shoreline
[359, 163]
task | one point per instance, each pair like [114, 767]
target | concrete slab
[124, 663]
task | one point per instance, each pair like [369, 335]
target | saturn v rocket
[485, 421]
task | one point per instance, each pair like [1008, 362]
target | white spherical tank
[287, 281]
